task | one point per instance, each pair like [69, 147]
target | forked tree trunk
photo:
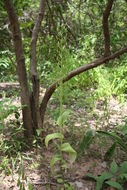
[29, 100]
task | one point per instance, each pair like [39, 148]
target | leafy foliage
[116, 177]
[86, 141]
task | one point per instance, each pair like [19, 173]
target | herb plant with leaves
[116, 177]
[62, 147]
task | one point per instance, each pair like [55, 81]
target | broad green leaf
[66, 147]
[53, 136]
[99, 183]
[113, 167]
[100, 180]
[55, 159]
[114, 184]
[123, 167]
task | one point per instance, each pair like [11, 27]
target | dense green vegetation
[77, 50]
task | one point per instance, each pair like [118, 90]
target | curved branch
[106, 27]
[75, 72]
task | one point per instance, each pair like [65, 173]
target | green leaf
[113, 167]
[18, 182]
[124, 129]
[38, 131]
[23, 187]
[55, 159]
[99, 183]
[60, 180]
[66, 147]
[115, 137]
[114, 184]
[30, 186]
[123, 167]
[91, 176]
[110, 152]
[53, 136]
[93, 40]
[100, 180]
[1, 126]
[63, 118]
[123, 176]
[86, 141]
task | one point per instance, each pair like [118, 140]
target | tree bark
[106, 27]
[33, 70]
[21, 69]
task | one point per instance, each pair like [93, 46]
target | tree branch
[106, 27]
[33, 69]
[75, 72]
[36, 29]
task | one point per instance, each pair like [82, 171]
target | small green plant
[116, 177]
[68, 186]
[22, 177]
[86, 141]
[7, 109]
[4, 165]
[14, 143]
[7, 66]
[116, 138]
[62, 147]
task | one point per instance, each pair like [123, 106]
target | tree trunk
[33, 70]
[21, 69]
[106, 27]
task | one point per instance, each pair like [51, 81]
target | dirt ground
[37, 160]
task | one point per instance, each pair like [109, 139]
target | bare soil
[37, 160]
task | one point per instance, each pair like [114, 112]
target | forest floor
[36, 162]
